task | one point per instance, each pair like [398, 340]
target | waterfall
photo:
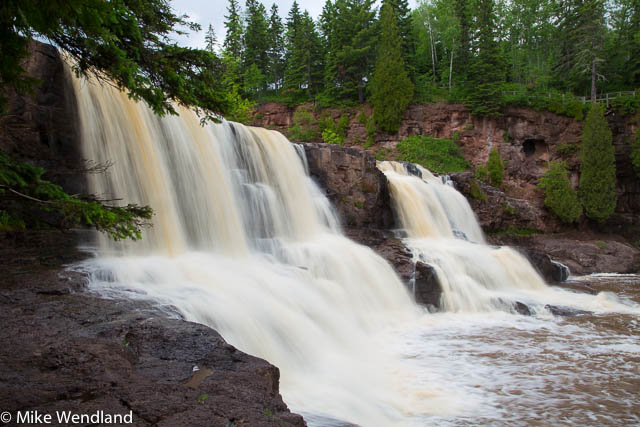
[443, 232]
[245, 242]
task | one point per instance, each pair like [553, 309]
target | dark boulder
[427, 288]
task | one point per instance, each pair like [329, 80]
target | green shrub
[566, 150]
[330, 137]
[508, 209]
[626, 105]
[560, 197]
[363, 118]
[439, 155]
[343, 125]
[575, 109]
[495, 168]
[304, 126]
[371, 131]
[381, 154]
[597, 167]
[476, 191]
[482, 174]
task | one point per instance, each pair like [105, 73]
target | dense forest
[484, 53]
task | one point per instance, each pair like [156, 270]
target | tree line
[461, 50]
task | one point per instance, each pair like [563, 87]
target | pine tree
[276, 48]
[233, 39]
[560, 197]
[304, 53]
[597, 167]
[256, 45]
[462, 56]
[495, 167]
[351, 52]
[210, 39]
[487, 70]
[391, 87]
[402, 14]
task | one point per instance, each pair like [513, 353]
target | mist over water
[245, 242]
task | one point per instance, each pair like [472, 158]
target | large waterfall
[245, 242]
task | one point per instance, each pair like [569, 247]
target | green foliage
[22, 187]
[391, 87]
[482, 174]
[304, 126]
[601, 244]
[9, 223]
[476, 191]
[635, 153]
[358, 204]
[495, 168]
[568, 149]
[597, 167]
[202, 398]
[331, 137]
[516, 232]
[268, 412]
[372, 130]
[508, 209]
[626, 105]
[381, 154]
[436, 154]
[560, 197]
[124, 41]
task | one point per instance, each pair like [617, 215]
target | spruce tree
[276, 48]
[487, 70]
[256, 45]
[559, 196]
[391, 87]
[597, 167]
[462, 56]
[210, 39]
[233, 40]
[402, 14]
[351, 52]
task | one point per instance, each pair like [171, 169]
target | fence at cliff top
[605, 98]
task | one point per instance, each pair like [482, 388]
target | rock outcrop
[66, 349]
[42, 128]
[352, 182]
[497, 211]
[583, 253]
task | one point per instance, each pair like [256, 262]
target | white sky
[206, 12]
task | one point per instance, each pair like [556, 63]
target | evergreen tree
[351, 49]
[256, 45]
[304, 65]
[276, 48]
[462, 56]
[487, 71]
[495, 168]
[402, 14]
[233, 39]
[560, 197]
[125, 41]
[597, 167]
[210, 39]
[391, 87]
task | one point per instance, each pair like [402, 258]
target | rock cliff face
[352, 182]
[526, 140]
[42, 128]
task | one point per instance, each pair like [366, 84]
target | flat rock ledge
[64, 349]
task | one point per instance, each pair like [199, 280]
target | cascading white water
[443, 232]
[245, 242]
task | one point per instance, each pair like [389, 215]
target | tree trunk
[450, 69]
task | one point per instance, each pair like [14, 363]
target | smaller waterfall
[443, 232]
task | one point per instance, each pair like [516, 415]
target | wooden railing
[606, 98]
